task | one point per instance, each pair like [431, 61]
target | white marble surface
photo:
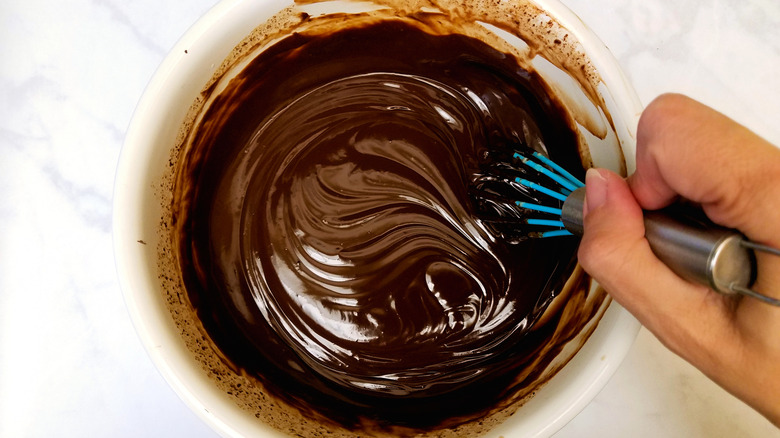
[71, 73]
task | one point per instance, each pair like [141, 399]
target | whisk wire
[505, 180]
[542, 189]
[559, 169]
[565, 183]
[553, 233]
[541, 208]
[545, 222]
[562, 180]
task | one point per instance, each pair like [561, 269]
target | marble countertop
[71, 74]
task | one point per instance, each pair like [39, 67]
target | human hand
[687, 149]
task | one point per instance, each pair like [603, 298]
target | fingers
[686, 148]
[614, 251]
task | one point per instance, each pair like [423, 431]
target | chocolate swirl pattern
[329, 243]
[388, 265]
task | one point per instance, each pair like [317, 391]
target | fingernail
[595, 190]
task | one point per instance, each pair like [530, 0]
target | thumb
[613, 241]
[615, 253]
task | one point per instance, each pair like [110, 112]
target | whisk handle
[571, 211]
[694, 248]
[700, 252]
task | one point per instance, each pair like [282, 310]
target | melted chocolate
[330, 246]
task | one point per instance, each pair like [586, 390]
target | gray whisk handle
[571, 211]
[703, 253]
[697, 251]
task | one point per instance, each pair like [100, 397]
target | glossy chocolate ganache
[329, 243]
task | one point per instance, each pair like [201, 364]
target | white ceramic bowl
[153, 131]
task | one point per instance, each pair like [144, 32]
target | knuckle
[662, 112]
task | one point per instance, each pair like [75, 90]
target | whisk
[522, 194]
